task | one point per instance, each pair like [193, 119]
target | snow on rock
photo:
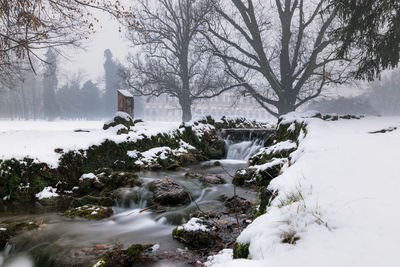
[194, 224]
[89, 176]
[123, 115]
[152, 154]
[286, 145]
[47, 192]
[198, 127]
[337, 203]
[268, 165]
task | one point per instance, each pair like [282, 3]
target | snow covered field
[38, 139]
[340, 198]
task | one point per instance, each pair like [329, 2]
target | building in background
[166, 108]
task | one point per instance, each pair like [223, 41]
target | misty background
[83, 83]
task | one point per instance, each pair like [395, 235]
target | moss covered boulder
[120, 119]
[21, 180]
[169, 193]
[196, 234]
[290, 130]
[102, 183]
[134, 255]
[216, 148]
[266, 172]
[243, 176]
[206, 178]
[10, 229]
[90, 212]
[101, 201]
[279, 150]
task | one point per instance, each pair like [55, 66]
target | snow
[89, 176]
[155, 247]
[47, 192]
[194, 224]
[123, 115]
[152, 155]
[340, 197]
[38, 139]
[125, 93]
[268, 165]
[286, 145]
[99, 263]
[133, 154]
[223, 256]
[199, 128]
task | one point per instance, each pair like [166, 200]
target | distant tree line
[40, 97]
[283, 53]
[381, 97]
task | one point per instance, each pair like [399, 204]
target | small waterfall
[243, 150]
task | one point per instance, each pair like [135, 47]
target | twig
[234, 196]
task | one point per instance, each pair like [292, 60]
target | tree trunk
[186, 109]
[285, 107]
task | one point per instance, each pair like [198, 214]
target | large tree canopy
[282, 51]
[373, 29]
[173, 59]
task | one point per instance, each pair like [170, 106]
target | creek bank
[279, 153]
[87, 182]
[21, 180]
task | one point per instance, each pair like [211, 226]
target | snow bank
[38, 139]
[337, 203]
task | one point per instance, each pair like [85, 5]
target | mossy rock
[10, 229]
[268, 154]
[243, 176]
[168, 192]
[122, 130]
[135, 255]
[193, 239]
[216, 149]
[120, 119]
[90, 212]
[101, 201]
[264, 177]
[289, 131]
[51, 201]
[241, 251]
[136, 249]
[105, 184]
[265, 198]
[21, 180]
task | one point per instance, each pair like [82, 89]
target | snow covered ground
[340, 197]
[38, 139]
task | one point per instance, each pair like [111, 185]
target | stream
[77, 240]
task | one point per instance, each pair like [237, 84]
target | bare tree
[173, 59]
[282, 53]
[29, 26]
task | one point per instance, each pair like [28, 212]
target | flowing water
[75, 239]
[243, 150]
